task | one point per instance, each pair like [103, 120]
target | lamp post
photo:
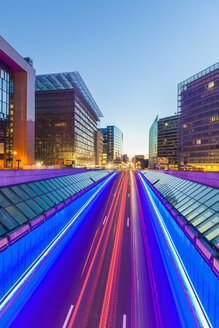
[18, 163]
[14, 158]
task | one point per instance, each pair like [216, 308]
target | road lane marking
[68, 316]
[127, 222]
[124, 321]
[104, 220]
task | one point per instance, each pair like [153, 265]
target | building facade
[198, 109]
[153, 144]
[163, 138]
[66, 120]
[167, 142]
[112, 144]
[99, 148]
[17, 108]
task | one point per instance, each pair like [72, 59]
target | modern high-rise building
[17, 108]
[167, 141]
[66, 120]
[99, 148]
[153, 132]
[112, 144]
[163, 136]
[198, 110]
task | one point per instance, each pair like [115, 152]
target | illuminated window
[61, 124]
[198, 142]
[214, 118]
[184, 126]
[210, 85]
[166, 124]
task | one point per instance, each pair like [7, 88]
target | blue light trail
[200, 313]
[15, 289]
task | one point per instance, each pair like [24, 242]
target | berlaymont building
[17, 108]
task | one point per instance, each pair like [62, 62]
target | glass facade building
[17, 108]
[112, 144]
[167, 141]
[66, 120]
[163, 137]
[6, 116]
[99, 148]
[198, 109]
[153, 144]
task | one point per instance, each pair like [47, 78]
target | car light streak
[25, 278]
[201, 316]
[148, 258]
[98, 249]
[138, 230]
[113, 275]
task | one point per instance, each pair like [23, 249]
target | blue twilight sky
[130, 53]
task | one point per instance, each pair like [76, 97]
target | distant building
[167, 142]
[198, 108]
[140, 162]
[66, 120]
[17, 108]
[153, 132]
[99, 148]
[136, 158]
[163, 136]
[125, 158]
[112, 144]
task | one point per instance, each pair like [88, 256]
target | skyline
[110, 57]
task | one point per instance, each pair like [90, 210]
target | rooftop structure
[25, 205]
[196, 204]
[67, 81]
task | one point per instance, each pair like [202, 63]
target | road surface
[114, 271]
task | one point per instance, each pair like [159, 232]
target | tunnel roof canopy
[197, 203]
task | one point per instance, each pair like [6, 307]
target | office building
[163, 136]
[153, 132]
[99, 148]
[136, 158]
[66, 120]
[112, 144]
[125, 158]
[140, 162]
[198, 109]
[17, 108]
[167, 142]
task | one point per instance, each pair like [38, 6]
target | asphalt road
[112, 273]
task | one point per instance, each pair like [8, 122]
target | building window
[214, 118]
[210, 85]
[198, 142]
